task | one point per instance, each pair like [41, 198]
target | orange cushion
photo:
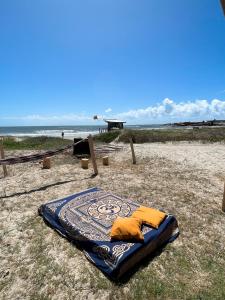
[150, 216]
[126, 229]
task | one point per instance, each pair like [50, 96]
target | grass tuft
[35, 143]
[107, 137]
[173, 135]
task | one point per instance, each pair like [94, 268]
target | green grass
[107, 137]
[35, 143]
[138, 136]
[164, 135]
[174, 135]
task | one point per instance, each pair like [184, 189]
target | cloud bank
[169, 109]
[166, 111]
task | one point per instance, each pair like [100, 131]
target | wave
[54, 131]
[70, 134]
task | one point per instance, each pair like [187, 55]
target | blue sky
[146, 61]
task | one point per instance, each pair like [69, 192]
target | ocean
[70, 132]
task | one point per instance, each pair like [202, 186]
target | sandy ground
[185, 179]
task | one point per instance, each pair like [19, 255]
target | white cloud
[170, 109]
[108, 110]
[163, 112]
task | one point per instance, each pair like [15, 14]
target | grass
[204, 134]
[37, 263]
[107, 137]
[35, 143]
[138, 136]
[174, 135]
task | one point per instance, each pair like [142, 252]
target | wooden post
[84, 163]
[223, 202]
[2, 153]
[132, 151]
[92, 152]
[105, 160]
[46, 163]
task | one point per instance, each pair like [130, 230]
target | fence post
[132, 151]
[84, 163]
[2, 153]
[105, 160]
[223, 202]
[92, 152]
[46, 163]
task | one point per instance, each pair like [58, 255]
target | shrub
[166, 135]
[107, 137]
[42, 142]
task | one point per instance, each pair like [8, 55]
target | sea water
[70, 132]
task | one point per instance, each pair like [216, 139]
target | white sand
[209, 157]
[185, 179]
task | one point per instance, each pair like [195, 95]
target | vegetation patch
[35, 143]
[173, 135]
[107, 137]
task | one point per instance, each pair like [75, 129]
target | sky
[143, 61]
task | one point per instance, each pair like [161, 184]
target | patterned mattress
[86, 218]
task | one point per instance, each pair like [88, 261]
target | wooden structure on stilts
[114, 124]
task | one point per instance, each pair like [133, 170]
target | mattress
[86, 219]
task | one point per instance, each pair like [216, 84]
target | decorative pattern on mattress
[86, 218]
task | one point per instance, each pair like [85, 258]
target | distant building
[114, 124]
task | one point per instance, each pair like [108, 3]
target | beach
[182, 178]
[112, 150]
[70, 132]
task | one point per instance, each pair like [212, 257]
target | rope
[38, 156]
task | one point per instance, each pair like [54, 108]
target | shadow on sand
[43, 188]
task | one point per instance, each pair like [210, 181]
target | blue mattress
[86, 218]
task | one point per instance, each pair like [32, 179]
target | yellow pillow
[150, 216]
[126, 229]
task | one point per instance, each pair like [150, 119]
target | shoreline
[66, 137]
[139, 136]
[70, 134]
